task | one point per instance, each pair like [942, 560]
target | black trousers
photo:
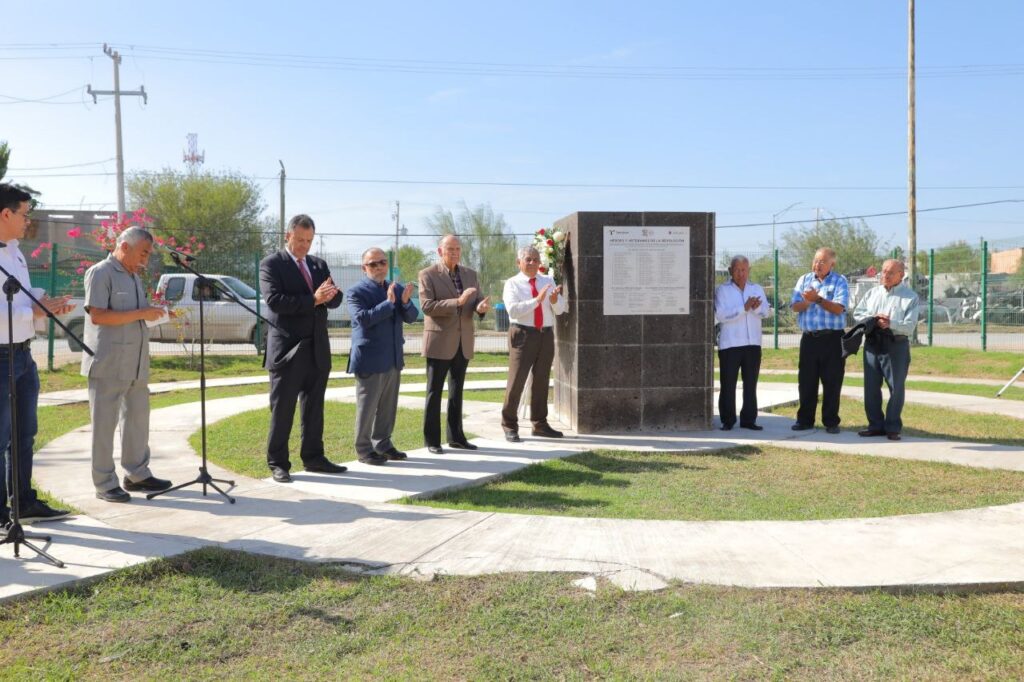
[437, 371]
[303, 382]
[731, 362]
[821, 360]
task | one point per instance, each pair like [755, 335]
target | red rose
[543, 270]
[551, 242]
[541, 231]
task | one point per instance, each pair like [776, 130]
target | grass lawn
[739, 484]
[926, 421]
[216, 614]
[855, 378]
[949, 362]
[183, 368]
[239, 443]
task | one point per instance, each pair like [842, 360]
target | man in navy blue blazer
[379, 309]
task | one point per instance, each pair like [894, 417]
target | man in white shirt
[740, 306]
[15, 205]
[532, 301]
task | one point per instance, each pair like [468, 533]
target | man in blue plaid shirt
[820, 299]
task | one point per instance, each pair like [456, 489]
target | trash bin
[500, 318]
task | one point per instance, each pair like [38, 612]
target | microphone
[175, 254]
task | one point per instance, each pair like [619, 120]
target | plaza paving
[350, 518]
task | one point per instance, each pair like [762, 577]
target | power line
[578, 185]
[70, 165]
[42, 100]
[526, 234]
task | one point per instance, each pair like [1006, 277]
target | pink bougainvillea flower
[75, 232]
[80, 270]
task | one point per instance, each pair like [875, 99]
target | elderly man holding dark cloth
[379, 309]
[740, 305]
[820, 299]
[893, 307]
[532, 300]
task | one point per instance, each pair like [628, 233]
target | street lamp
[776, 215]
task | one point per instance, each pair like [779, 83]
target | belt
[21, 345]
[823, 332]
[900, 337]
[530, 328]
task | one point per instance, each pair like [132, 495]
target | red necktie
[538, 312]
[305, 274]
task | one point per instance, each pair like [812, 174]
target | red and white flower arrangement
[550, 244]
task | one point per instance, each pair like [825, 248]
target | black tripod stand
[16, 535]
[204, 478]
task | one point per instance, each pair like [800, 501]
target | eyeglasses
[376, 263]
[26, 215]
[528, 260]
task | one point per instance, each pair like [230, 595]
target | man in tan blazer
[449, 295]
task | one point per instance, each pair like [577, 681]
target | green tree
[488, 245]
[5, 157]
[857, 246]
[225, 211]
[958, 256]
[411, 259]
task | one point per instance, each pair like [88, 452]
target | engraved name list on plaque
[646, 270]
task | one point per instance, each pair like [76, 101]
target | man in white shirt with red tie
[532, 301]
[740, 305]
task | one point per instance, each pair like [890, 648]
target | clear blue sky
[805, 98]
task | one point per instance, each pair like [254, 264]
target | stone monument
[634, 351]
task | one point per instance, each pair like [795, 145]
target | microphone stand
[16, 535]
[204, 477]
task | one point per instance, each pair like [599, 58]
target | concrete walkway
[350, 519]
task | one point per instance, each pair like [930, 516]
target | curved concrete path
[348, 518]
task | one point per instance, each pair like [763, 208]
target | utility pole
[911, 154]
[117, 92]
[282, 201]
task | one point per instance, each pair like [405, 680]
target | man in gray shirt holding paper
[115, 328]
[891, 309]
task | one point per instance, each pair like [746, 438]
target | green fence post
[931, 293]
[984, 296]
[775, 315]
[51, 327]
[259, 326]
[391, 265]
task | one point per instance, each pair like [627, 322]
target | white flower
[558, 236]
[545, 258]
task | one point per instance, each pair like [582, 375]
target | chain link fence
[229, 328]
[971, 296]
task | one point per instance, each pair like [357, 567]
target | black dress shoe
[546, 431]
[374, 459]
[802, 427]
[869, 433]
[462, 446]
[832, 429]
[513, 437]
[115, 494]
[280, 475]
[893, 436]
[726, 427]
[324, 466]
[435, 449]
[752, 427]
[147, 485]
[394, 453]
[40, 511]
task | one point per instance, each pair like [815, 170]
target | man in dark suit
[298, 290]
[378, 311]
[449, 294]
